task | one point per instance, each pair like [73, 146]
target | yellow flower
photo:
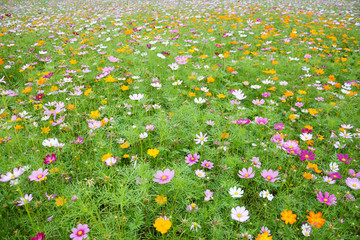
[162, 225]
[54, 170]
[126, 156]
[106, 156]
[73, 61]
[210, 79]
[71, 107]
[110, 79]
[313, 111]
[160, 200]
[124, 87]
[88, 91]
[18, 127]
[27, 90]
[60, 201]
[125, 145]
[153, 152]
[224, 135]
[95, 114]
[45, 130]
[221, 95]
[264, 236]
[302, 92]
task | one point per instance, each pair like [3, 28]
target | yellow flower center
[192, 159]
[201, 139]
[290, 147]
[12, 176]
[269, 177]
[164, 177]
[354, 185]
[236, 193]
[239, 215]
[246, 175]
[325, 200]
[306, 156]
[343, 159]
[208, 165]
[193, 205]
[40, 176]
[80, 233]
[195, 224]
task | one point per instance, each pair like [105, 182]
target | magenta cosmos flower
[38, 175]
[79, 233]
[39, 236]
[327, 199]
[353, 183]
[192, 159]
[164, 177]
[246, 173]
[335, 175]
[344, 158]
[207, 164]
[270, 175]
[50, 159]
[261, 120]
[242, 121]
[279, 126]
[307, 155]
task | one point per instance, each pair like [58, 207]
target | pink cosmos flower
[329, 200]
[307, 155]
[191, 207]
[38, 175]
[192, 159]
[164, 177]
[10, 176]
[110, 161]
[352, 172]
[344, 158]
[353, 183]
[207, 164]
[80, 232]
[270, 175]
[50, 196]
[246, 173]
[50, 159]
[277, 138]
[279, 126]
[258, 102]
[255, 161]
[261, 121]
[113, 59]
[209, 195]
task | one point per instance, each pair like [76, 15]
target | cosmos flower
[200, 138]
[240, 214]
[344, 158]
[327, 199]
[270, 175]
[136, 97]
[164, 177]
[353, 183]
[207, 164]
[10, 176]
[200, 173]
[25, 200]
[38, 175]
[192, 159]
[246, 173]
[208, 195]
[261, 120]
[80, 232]
[50, 159]
[236, 192]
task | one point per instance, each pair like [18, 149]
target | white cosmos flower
[239, 94]
[143, 135]
[136, 97]
[306, 136]
[200, 100]
[240, 214]
[236, 192]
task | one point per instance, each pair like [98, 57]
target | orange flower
[210, 79]
[264, 236]
[288, 217]
[307, 175]
[230, 69]
[315, 219]
[162, 225]
[160, 199]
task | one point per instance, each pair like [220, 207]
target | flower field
[179, 119]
